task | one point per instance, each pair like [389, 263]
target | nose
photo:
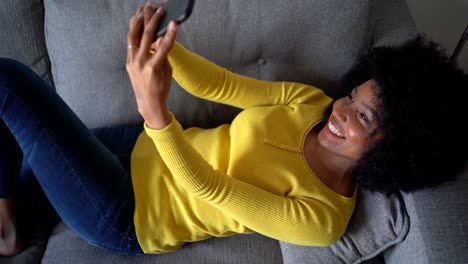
[340, 111]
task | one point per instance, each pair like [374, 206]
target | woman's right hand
[148, 65]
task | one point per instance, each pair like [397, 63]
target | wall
[444, 21]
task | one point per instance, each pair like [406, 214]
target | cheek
[360, 138]
[355, 131]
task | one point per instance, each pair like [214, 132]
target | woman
[287, 167]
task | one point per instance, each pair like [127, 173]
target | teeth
[334, 130]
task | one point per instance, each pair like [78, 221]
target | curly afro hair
[424, 104]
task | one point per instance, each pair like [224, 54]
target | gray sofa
[79, 47]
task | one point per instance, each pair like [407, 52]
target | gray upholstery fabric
[392, 22]
[439, 226]
[87, 42]
[22, 35]
[34, 251]
[378, 223]
[65, 247]
[310, 41]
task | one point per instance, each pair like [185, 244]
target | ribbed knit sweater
[247, 176]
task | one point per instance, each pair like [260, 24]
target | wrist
[159, 120]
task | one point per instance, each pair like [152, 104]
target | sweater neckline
[314, 175]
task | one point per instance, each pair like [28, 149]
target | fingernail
[136, 17]
[149, 3]
[173, 25]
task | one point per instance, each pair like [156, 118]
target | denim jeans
[84, 174]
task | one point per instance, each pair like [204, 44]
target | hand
[148, 66]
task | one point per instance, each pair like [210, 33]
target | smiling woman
[352, 129]
[419, 93]
[286, 167]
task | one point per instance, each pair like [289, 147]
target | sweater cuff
[167, 133]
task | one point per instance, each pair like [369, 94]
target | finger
[148, 11]
[150, 30]
[155, 45]
[154, 4]
[164, 44]
[136, 24]
[134, 34]
[158, 43]
[139, 10]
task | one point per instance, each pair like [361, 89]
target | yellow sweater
[250, 176]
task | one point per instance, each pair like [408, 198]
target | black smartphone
[176, 10]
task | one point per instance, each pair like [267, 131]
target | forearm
[207, 80]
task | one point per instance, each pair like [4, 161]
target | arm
[298, 220]
[151, 75]
[207, 80]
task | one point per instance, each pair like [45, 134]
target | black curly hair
[423, 97]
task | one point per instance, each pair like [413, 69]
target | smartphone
[176, 10]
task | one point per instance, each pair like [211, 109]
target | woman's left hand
[148, 66]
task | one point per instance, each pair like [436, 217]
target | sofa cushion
[439, 225]
[22, 35]
[378, 222]
[66, 247]
[310, 41]
[87, 47]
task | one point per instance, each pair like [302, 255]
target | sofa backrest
[310, 41]
[22, 35]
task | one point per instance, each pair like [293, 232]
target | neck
[333, 170]
[339, 167]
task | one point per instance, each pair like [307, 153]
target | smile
[334, 130]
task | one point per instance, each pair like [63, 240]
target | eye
[364, 117]
[361, 115]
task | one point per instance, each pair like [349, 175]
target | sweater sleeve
[207, 80]
[301, 220]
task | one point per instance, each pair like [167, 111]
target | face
[352, 129]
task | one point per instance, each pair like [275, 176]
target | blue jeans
[84, 174]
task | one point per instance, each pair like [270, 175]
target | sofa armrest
[392, 22]
[438, 226]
